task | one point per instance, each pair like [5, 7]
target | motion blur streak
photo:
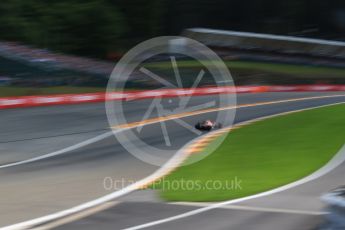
[292, 104]
[153, 121]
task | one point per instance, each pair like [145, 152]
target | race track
[56, 183]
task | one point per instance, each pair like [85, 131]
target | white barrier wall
[267, 42]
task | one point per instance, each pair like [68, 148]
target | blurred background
[50, 47]
[71, 47]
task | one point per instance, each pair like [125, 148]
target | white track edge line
[107, 134]
[337, 160]
[174, 162]
[254, 208]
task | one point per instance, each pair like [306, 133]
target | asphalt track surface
[53, 184]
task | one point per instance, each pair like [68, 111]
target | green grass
[262, 67]
[264, 155]
[7, 91]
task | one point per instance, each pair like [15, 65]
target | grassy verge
[261, 156]
[7, 91]
[263, 67]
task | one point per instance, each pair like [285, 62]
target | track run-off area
[56, 158]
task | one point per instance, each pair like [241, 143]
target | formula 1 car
[335, 200]
[208, 125]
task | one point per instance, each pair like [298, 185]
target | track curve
[60, 182]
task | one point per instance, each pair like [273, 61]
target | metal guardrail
[267, 42]
[335, 199]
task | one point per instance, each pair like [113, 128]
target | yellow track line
[198, 112]
[56, 216]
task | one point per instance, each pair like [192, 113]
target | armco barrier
[267, 42]
[28, 101]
